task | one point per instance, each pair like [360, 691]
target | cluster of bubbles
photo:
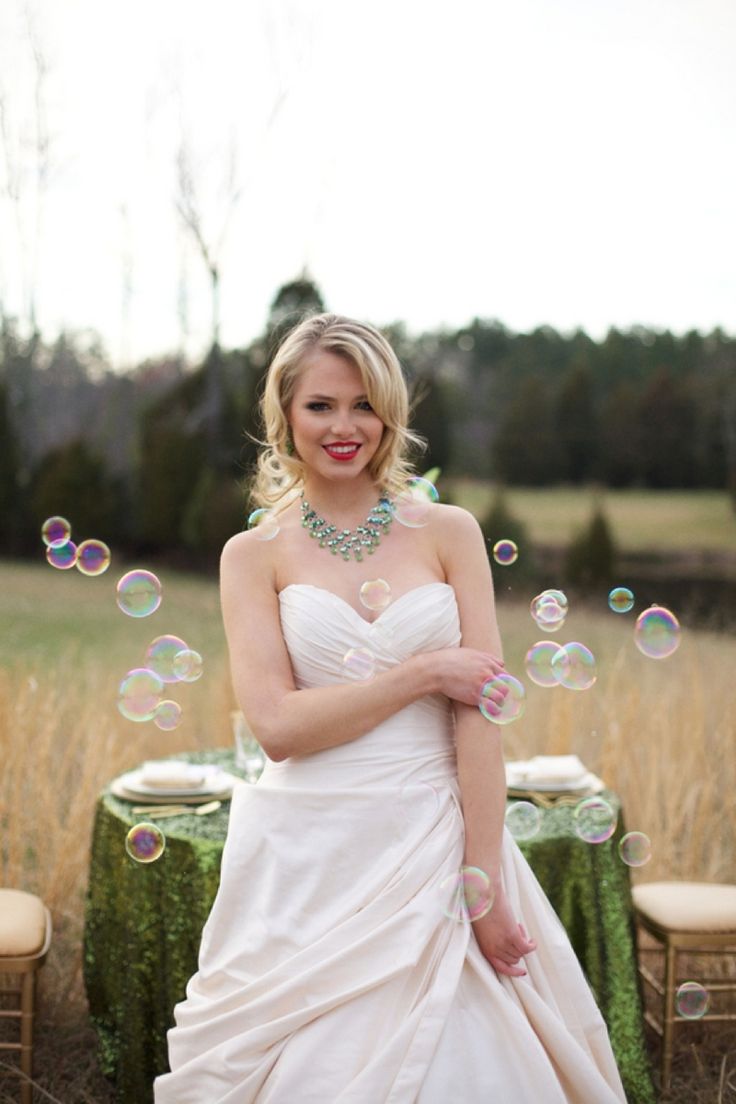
[467, 895]
[145, 842]
[595, 821]
[570, 665]
[549, 610]
[91, 557]
[360, 663]
[657, 630]
[168, 659]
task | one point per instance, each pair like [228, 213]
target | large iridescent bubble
[657, 632]
[139, 694]
[502, 699]
[538, 663]
[145, 842]
[467, 895]
[62, 556]
[594, 819]
[138, 593]
[574, 666]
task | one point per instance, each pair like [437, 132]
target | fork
[156, 812]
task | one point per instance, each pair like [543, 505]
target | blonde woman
[336, 964]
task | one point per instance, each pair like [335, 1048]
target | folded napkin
[546, 769]
[172, 774]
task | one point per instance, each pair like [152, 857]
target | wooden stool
[25, 938]
[696, 917]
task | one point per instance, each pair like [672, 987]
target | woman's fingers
[502, 968]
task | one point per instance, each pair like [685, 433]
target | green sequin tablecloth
[143, 926]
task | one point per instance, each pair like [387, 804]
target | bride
[336, 964]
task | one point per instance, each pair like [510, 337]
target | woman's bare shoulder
[454, 521]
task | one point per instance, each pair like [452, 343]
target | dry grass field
[661, 733]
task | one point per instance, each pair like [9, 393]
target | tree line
[155, 460]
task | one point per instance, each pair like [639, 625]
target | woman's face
[336, 432]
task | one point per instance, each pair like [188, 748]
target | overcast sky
[570, 162]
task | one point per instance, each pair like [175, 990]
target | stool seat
[688, 906]
[22, 924]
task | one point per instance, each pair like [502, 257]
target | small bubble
[161, 653]
[467, 894]
[635, 849]
[167, 716]
[188, 665]
[264, 523]
[359, 663]
[692, 1000]
[145, 842]
[621, 600]
[93, 557]
[55, 531]
[375, 594]
[62, 556]
[523, 820]
[505, 552]
[595, 820]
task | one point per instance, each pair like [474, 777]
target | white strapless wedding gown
[328, 971]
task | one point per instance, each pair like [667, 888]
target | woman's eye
[316, 406]
[364, 405]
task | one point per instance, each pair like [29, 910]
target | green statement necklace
[364, 540]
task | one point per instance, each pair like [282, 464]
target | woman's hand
[501, 939]
[462, 672]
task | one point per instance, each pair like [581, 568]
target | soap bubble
[657, 632]
[505, 552]
[692, 1000]
[635, 849]
[55, 531]
[359, 663]
[375, 594]
[161, 653]
[621, 599]
[595, 820]
[139, 694]
[574, 666]
[167, 716]
[523, 820]
[411, 506]
[512, 701]
[93, 557]
[187, 665]
[264, 523]
[62, 556]
[549, 610]
[145, 842]
[538, 663]
[467, 894]
[138, 593]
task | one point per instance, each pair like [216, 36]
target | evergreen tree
[591, 558]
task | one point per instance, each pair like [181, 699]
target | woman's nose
[343, 423]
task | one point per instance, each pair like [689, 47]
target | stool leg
[668, 1019]
[28, 992]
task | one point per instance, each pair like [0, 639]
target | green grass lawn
[662, 521]
[48, 614]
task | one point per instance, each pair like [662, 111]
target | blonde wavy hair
[280, 474]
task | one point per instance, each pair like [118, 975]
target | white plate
[216, 781]
[570, 785]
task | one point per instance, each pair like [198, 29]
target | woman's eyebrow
[331, 398]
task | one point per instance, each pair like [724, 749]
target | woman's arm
[479, 746]
[287, 721]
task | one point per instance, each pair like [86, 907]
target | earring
[289, 446]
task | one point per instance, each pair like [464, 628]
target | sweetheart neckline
[344, 602]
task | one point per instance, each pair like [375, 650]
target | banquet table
[143, 925]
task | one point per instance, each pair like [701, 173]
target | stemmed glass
[249, 755]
